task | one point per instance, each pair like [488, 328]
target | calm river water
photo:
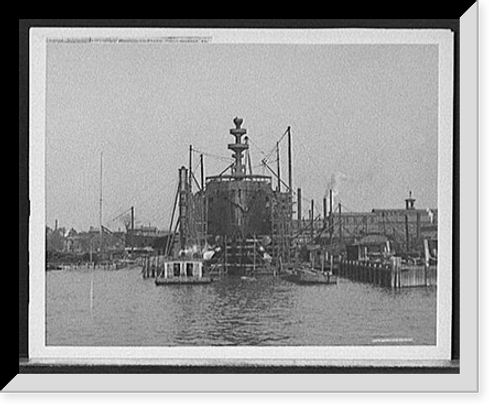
[119, 308]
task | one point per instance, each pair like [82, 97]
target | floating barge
[179, 272]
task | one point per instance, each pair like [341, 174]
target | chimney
[410, 203]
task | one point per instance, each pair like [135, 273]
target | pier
[152, 266]
[392, 275]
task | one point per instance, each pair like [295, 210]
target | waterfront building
[405, 228]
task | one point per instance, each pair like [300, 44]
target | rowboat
[309, 276]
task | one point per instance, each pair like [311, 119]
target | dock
[392, 275]
[152, 266]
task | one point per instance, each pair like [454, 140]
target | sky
[363, 119]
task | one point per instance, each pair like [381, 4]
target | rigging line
[158, 193]
[196, 182]
[266, 155]
[254, 144]
[130, 201]
[223, 171]
[160, 206]
[220, 157]
[139, 203]
[197, 166]
[283, 136]
[347, 209]
[276, 175]
[158, 214]
[258, 148]
[274, 150]
[117, 217]
[278, 142]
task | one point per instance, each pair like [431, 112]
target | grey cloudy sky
[366, 114]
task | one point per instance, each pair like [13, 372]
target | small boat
[183, 271]
[309, 276]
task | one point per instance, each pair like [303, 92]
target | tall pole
[290, 188]
[202, 184]
[202, 173]
[289, 160]
[183, 206]
[330, 221]
[190, 166]
[407, 234]
[100, 210]
[279, 169]
[132, 239]
[171, 235]
[340, 222]
[312, 220]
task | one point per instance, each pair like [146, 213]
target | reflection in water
[119, 308]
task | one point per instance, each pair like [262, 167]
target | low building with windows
[405, 228]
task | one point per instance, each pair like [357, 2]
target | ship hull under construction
[238, 216]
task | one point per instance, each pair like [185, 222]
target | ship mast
[238, 148]
[289, 160]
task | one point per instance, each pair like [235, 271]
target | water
[119, 308]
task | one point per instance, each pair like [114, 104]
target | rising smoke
[335, 184]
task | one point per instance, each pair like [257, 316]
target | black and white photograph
[242, 197]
